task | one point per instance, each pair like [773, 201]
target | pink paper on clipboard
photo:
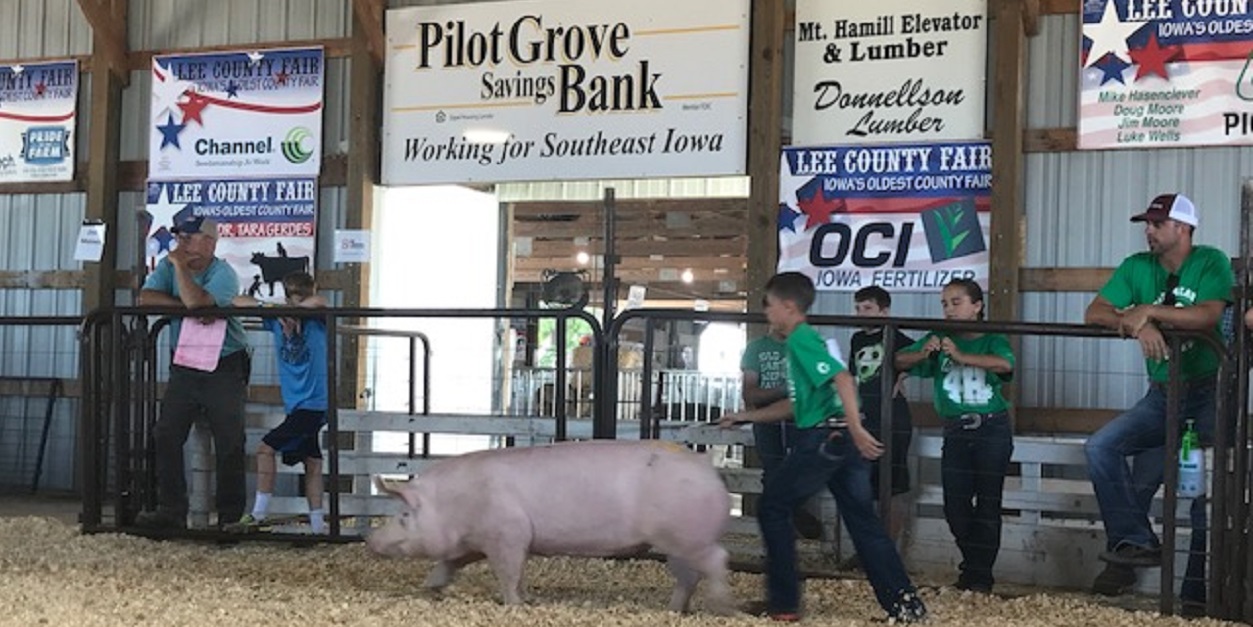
[200, 344]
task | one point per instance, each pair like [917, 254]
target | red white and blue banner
[37, 117]
[881, 71]
[907, 217]
[266, 227]
[229, 114]
[552, 90]
[1166, 73]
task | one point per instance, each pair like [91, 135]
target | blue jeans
[815, 462]
[772, 440]
[1125, 493]
[973, 464]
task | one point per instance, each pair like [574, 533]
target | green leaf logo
[953, 230]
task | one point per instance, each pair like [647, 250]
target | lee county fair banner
[908, 217]
[37, 117]
[266, 226]
[1166, 73]
[559, 90]
[889, 70]
[229, 114]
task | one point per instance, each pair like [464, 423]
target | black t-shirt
[866, 358]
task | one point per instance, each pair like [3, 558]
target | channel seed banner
[558, 90]
[1166, 73]
[37, 117]
[266, 227]
[230, 114]
[889, 71]
[907, 217]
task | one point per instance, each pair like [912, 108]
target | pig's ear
[396, 490]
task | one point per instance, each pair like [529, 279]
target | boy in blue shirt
[300, 344]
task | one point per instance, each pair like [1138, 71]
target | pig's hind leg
[688, 569]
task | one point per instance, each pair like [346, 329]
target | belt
[970, 422]
[834, 422]
[1185, 386]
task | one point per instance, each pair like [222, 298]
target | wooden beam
[364, 81]
[700, 226]
[132, 176]
[626, 208]
[369, 14]
[1009, 102]
[723, 264]
[1031, 17]
[765, 124]
[1063, 279]
[644, 247]
[1059, 7]
[1051, 140]
[103, 150]
[108, 31]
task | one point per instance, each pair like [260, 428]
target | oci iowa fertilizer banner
[907, 217]
[223, 114]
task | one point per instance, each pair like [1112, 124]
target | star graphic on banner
[255, 57]
[787, 218]
[193, 108]
[18, 69]
[1111, 68]
[170, 131]
[40, 88]
[1109, 35]
[281, 77]
[813, 202]
[232, 89]
[162, 211]
[1152, 58]
[166, 94]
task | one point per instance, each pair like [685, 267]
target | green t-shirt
[767, 357]
[965, 389]
[811, 366]
[1205, 275]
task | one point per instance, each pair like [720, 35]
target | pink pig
[593, 499]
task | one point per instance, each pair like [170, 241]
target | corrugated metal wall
[1077, 204]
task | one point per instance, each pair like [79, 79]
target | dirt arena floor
[50, 574]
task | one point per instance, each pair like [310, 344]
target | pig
[593, 499]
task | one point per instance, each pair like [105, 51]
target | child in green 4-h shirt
[968, 370]
[830, 450]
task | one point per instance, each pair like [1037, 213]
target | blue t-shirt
[301, 364]
[220, 281]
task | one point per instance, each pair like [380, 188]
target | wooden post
[365, 80]
[104, 146]
[765, 125]
[1009, 102]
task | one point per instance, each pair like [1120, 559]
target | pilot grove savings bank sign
[559, 90]
[889, 70]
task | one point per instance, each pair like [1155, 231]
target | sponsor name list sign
[37, 116]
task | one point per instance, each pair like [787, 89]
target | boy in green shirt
[830, 449]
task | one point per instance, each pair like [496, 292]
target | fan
[564, 289]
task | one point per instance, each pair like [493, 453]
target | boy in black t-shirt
[867, 350]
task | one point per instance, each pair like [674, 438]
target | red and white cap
[1175, 207]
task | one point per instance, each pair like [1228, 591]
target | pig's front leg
[445, 570]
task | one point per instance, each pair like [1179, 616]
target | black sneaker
[965, 583]
[1134, 556]
[1115, 580]
[908, 608]
[160, 520]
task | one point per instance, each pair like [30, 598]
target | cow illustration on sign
[273, 269]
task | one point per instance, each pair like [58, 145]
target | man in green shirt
[1175, 285]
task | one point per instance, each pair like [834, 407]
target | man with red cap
[1174, 285]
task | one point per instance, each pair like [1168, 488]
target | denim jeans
[772, 440]
[813, 463]
[1125, 493]
[973, 464]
